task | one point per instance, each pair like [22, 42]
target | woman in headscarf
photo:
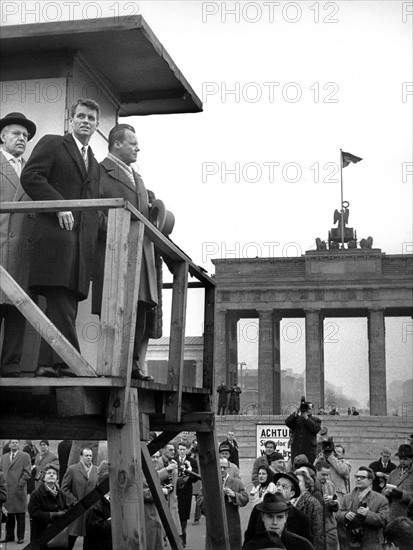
[265, 485]
[47, 502]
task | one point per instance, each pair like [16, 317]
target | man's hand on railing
[66, 220]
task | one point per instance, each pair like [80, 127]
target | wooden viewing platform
[103, 402]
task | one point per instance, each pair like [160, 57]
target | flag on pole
[347, 158]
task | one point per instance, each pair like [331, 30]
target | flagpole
[342, 199]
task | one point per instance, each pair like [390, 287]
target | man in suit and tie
[78, 481]
[16, 466]
[64, 168]
[15, 235]
[120, 180]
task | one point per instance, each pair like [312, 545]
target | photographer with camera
[340, 467]
[363, 514]
[187, 467]
[304, 429]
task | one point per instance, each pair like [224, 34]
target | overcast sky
[285, 85]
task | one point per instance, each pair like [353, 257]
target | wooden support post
[38, 320]
[209, 312]
[125, 475]
[216, 518]
[154, 485]
[125, 317]
[177, 341]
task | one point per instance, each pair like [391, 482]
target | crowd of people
[295, 503]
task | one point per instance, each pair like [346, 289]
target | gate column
[268, 400]
[314, 357]
[377, 363]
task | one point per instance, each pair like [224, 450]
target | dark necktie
[84, 156]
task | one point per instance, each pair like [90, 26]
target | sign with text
[279, 433]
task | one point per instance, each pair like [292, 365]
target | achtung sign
[279, 433]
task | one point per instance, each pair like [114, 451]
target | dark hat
[273, 504]
[19, 118]
[292, 477]
[162, 219]
[224, 447]
[275, 456]
[405, 451]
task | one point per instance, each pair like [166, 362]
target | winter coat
[77, 485]
[404, 483]
[56, 171]
[98, 526]
[313, 509]
[373, 525]
[15, 229]
[42, 503]
[231, 508]
[17, 474]
[303, 435]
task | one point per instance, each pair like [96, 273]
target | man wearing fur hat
[399, 488]
[15, 235]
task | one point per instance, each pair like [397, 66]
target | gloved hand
[396, 493]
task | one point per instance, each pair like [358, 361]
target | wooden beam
[164, 244]
[216, 518]
[154, 485]
[22, 426]
[77, 510]
[209, 336]
[113, 295]
[119, 397]
[177, 341]
[39, 321]
[191, 422]
[61, 382]
[125, 473]
[159, 443]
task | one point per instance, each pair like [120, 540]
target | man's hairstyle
[308, 480]
[341, 447]
[322, 464]
[270, 442]
[386, 450]
[118, 134]
[183, 444]
[89, 103]
[369, 471]
[171, 444]
[85, 449]
[399, 531]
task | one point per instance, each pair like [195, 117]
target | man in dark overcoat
[63, 168]
[120, 180]
[304, 429]
[16, 466]
[184, 483]
[79, 480]
[15, 235]
[399, 487]
[382, 468]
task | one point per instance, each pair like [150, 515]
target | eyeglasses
[283, 486]
[357, 476]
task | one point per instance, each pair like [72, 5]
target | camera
[328, 446]
[304, 405]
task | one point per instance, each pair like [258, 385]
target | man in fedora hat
[274, 514]
[399, 488]
[225, 452]
[287, 485]
[15, 235]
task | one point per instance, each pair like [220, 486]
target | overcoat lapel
[118, 174]
[10, 174]
[74, 152]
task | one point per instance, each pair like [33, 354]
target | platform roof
[126, 52]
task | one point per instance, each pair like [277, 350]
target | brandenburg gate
[320, 284]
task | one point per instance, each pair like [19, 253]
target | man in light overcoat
[79, 480]
[16, 466]
[15, 235]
